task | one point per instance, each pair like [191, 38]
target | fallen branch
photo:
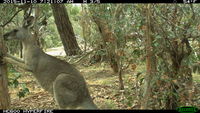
[76, 62]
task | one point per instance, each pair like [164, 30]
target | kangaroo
[54, 75]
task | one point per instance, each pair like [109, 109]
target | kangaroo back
[54, 75]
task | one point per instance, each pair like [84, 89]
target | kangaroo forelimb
[17, 63]
[15, 58]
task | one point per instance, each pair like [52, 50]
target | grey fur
[196, 68]
[54, 75]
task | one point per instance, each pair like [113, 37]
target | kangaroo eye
[15, 30]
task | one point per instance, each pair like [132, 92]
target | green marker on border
[187, 109]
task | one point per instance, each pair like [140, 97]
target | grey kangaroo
[54, 75]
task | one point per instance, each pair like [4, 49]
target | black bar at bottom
[87, 111]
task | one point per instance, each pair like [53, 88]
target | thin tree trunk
[65, 29]
[20, 43]
[4, 95]
[109, 37]
[121, 83]
[150, 60]
[21, 50]
[83, 25]
[36, 27]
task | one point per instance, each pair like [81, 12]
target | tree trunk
[65, 29]
[108, 37]
[121, 83]
[181, 73]
[84, 28]
[172, 97]
[4, 95]
[35, 25]
[150, 61]
[20, 50]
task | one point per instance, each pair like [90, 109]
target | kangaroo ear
[28, 22]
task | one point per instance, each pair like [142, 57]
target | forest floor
[103, 86]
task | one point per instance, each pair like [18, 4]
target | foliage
[14, 83]
[171, 23]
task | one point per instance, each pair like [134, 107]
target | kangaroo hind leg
[63, 89]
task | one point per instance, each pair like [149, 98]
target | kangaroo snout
[10, 35]
[5, 36]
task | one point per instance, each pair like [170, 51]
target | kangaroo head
[21, 33]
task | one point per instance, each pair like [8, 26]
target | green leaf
[21, 94]
[15, 83]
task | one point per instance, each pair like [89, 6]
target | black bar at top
[142, 1]
[100, 1]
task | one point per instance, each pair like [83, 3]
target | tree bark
[181, 73]
[35, 25]
[121, 83]
[65, 29]
[108, 37]
[4, 92]
[84, 27]
[150, 60]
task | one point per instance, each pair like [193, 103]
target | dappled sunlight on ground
[102, 84]
[58, 51]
